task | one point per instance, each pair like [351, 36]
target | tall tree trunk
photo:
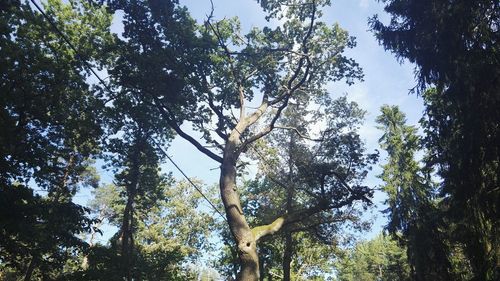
[287, 256]
[30, 269]
[126, 237]
[62, 189]
[127, 232]
[288, 251]
[244, 238]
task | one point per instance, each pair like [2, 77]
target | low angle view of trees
[323, 162]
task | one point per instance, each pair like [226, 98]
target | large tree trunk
[126, 237]
[287, 256]
[244, 238]
[29, 270]
[288, 251]
[127, 231]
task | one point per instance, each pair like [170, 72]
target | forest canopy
[96, 95]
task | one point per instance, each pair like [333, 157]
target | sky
[386, 81]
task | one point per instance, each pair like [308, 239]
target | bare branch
[342, 180]
[206, 135]
[220, 117]
[194, 142]
[268, 50]
[173, 123]
[241, 91]
[281, 184]
[211, 15]
[290, 85]
[275, 274]
[298, 133]
[269, 128]
[252, 118]
[269, 229]
[244, 123]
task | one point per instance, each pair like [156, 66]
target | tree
[141, 185]
[50, 130]
[167, 234]
[195, 69]
[322, 177]
[380, 258]
[415, 210]
[133, 154]
[455, 47]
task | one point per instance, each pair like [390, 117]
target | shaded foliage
[415, 218]
[455, 47]
[167, 233]
[49, 119]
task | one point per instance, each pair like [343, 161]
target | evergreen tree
[415, 211]
[454, 45]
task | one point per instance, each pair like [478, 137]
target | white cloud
[364, 4]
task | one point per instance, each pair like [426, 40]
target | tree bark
[244, 238]
[288, 251]
[287, 256]
[126, 237]
[127, 232]
[29, 270]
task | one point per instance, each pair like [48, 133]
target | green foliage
[51, 115]
[166, 70]
[203, 73]
[51, 127]
[167, 233]
[205, 77]
[311, 260]
[455, 47]
[325, 173]
[154, 60]
[407, 188]
[414, 216]
[317, 174]
[379, 259]
[39, 231]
